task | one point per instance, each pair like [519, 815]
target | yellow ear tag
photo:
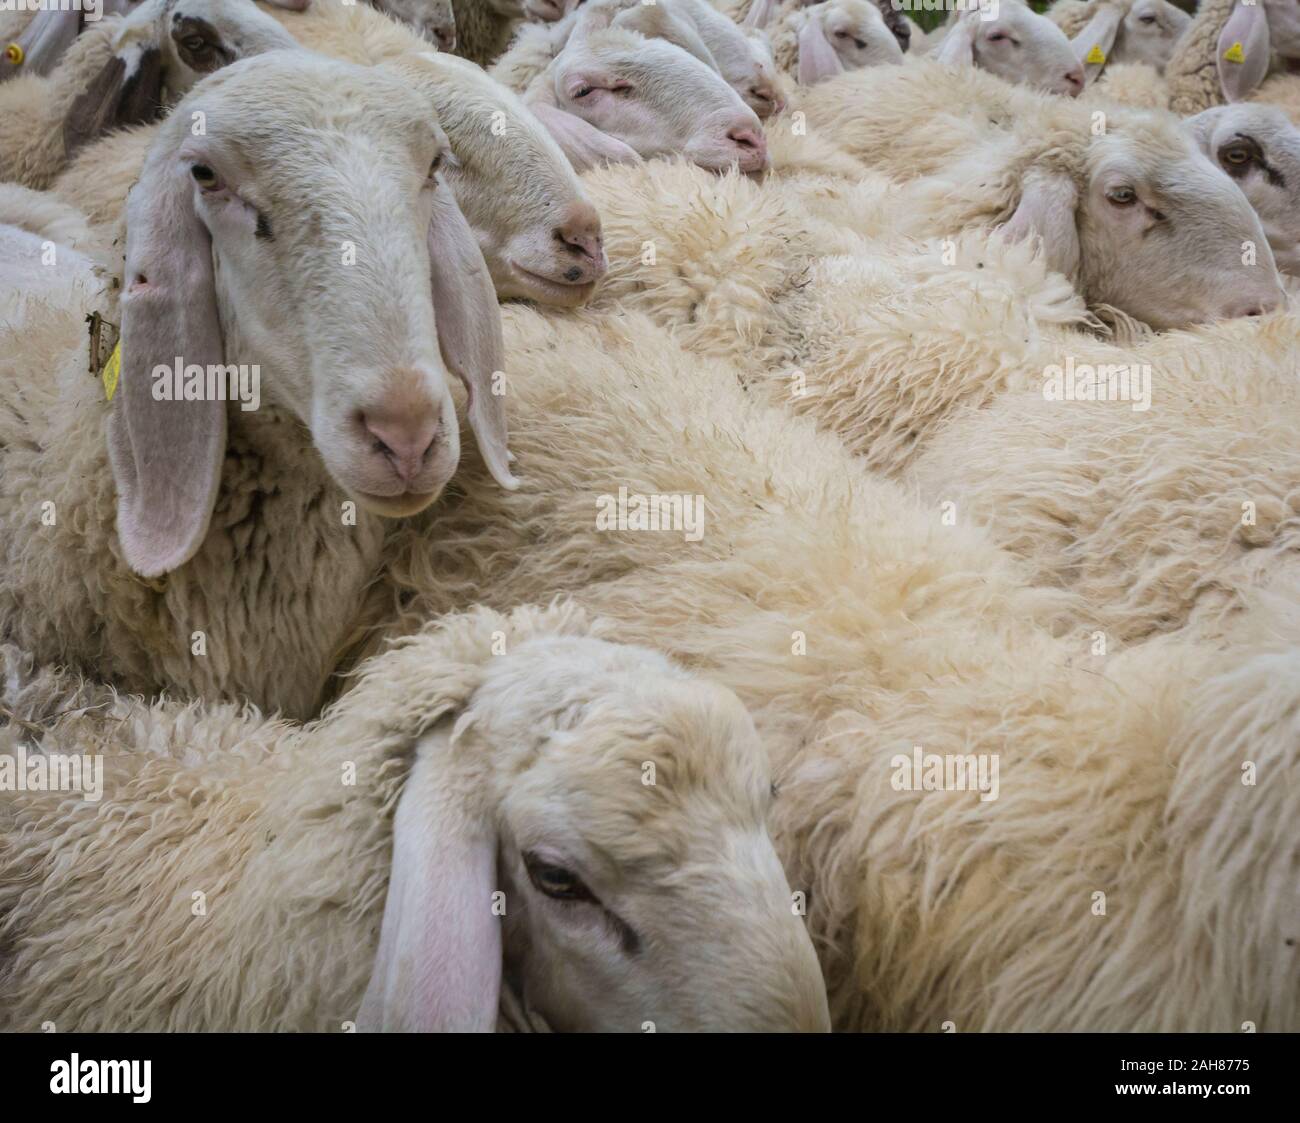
[1235, 53]
[14, 53]
[1096, 56]
[112, 369]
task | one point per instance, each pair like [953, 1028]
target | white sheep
[539, 235]
[208, 522]
[1230, 49]
[432, 18]
[1161, 509]
[524, 803]
[122, 72]
[814, 43]
[1259, 147]
[1112, 31]
[1017, 44]
[612, 95]
[856, 626]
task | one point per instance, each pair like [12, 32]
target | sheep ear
[958, 46]
[1242, 53]
[585, 145]
[128, 90]
[166, 456]
[42, 42]
[469, 327]
[655, 21]
[1046, 211]
[1093, 44]
[759, 14]
[438, 968]
[817, 58]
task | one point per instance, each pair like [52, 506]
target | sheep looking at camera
[132, 525]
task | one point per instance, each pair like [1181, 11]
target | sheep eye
[1122, 196]
[555, 881]
[1237, 155]
[997, 37]
[194, 43]
[203, 175]
[433, 167]
[583, 92]
[841, 35]
[1146, 19]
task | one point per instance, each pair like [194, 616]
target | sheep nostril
[745, 138]
[404, 439]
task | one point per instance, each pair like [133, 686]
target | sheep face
[434, 19]
[1150, 32]
[540, 237]
[1259, 148]
[200, 36]
[1018, 46]
[318, 253]
[656, 100]
[1167, 237]
[857, 33]
[548, 11]
[644, 886]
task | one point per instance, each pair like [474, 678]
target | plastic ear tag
[112, 369]
[1235, 53]
[1096, 56]
[14, 53]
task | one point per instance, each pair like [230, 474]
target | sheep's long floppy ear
[759, 14]
[585, 145]
[128, 90]
[1095, 40]
[1046, 210]
[41, 44]
[817, 58]
[469, 327]
[958, 46]
[438, 968]
[1242, 53]
[166, 456]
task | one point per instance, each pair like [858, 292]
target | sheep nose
[1256, 307]
[753, 148]
[404, 436]
[445, 35]
[580, 232]
[1074, 81]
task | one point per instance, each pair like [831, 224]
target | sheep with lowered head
[434, 19]
[1259, 147]
[857, 625]
[613, 96]
[1112, 31]
[524, 804]
[202, 537]
[814, 43]
[1017, 44]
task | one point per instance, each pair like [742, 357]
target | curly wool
[1192, 73]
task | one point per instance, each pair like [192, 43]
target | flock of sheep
[840, 412]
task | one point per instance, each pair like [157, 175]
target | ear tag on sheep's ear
[14, 53]
[112, 369]
[1097, 57]
[1235, 53]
